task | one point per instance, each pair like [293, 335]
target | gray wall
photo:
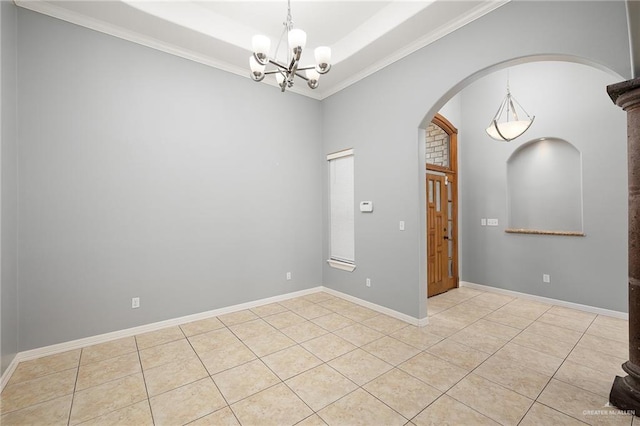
[570, 102]
[8, 200]
[379, 117]
[146, 175]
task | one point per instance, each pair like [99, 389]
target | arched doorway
[519, 263]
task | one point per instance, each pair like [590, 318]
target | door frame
[452, 174]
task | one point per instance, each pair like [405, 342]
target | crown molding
[426, 40]
[55, 11]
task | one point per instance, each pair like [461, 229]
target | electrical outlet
[402, 225]
[135, 302]
[368, 282]
[288, 276]
[492, 222]
[546, 278]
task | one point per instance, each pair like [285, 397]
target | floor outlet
[135, 302]
[368, 282]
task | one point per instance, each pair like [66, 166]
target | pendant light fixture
[508, 123]
[286, 72]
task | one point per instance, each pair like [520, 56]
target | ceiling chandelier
[286, 72]
[507, 125]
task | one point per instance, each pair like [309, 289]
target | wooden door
[437, 235]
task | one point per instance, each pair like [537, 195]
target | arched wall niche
[544, 188]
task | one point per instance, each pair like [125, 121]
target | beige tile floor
[483, 359]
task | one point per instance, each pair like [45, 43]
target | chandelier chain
[289, 23]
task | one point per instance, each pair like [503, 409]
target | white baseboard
[8, 372]
[395, 314]
[106, 337]
[577, 306]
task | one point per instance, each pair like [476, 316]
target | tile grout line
[113, 380]
[511, 341]
[337, 310]
[210, 376]
[327, 363]
[393, 367]
[556, 372]
[46, 400]
[445, 392]
[337, 371]
[287, 309]
[470, 372]
[313, 412]
[73, 393]
[144, 380]
[332, 332]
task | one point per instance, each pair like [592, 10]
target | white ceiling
[364, 35]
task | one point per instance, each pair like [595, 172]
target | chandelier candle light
[286, 72]
[510, 126]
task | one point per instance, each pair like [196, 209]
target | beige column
[625, 393]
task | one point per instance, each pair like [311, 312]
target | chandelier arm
[293, 68]
[302, 76]
[495, 124]
[278, 64]
[513, 109]
[293, 71]
[523, 110]
[306, 68]
[500, 109]
[293, 65]
[530, 123]
[284, 31]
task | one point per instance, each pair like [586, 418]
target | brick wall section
[437, 145]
